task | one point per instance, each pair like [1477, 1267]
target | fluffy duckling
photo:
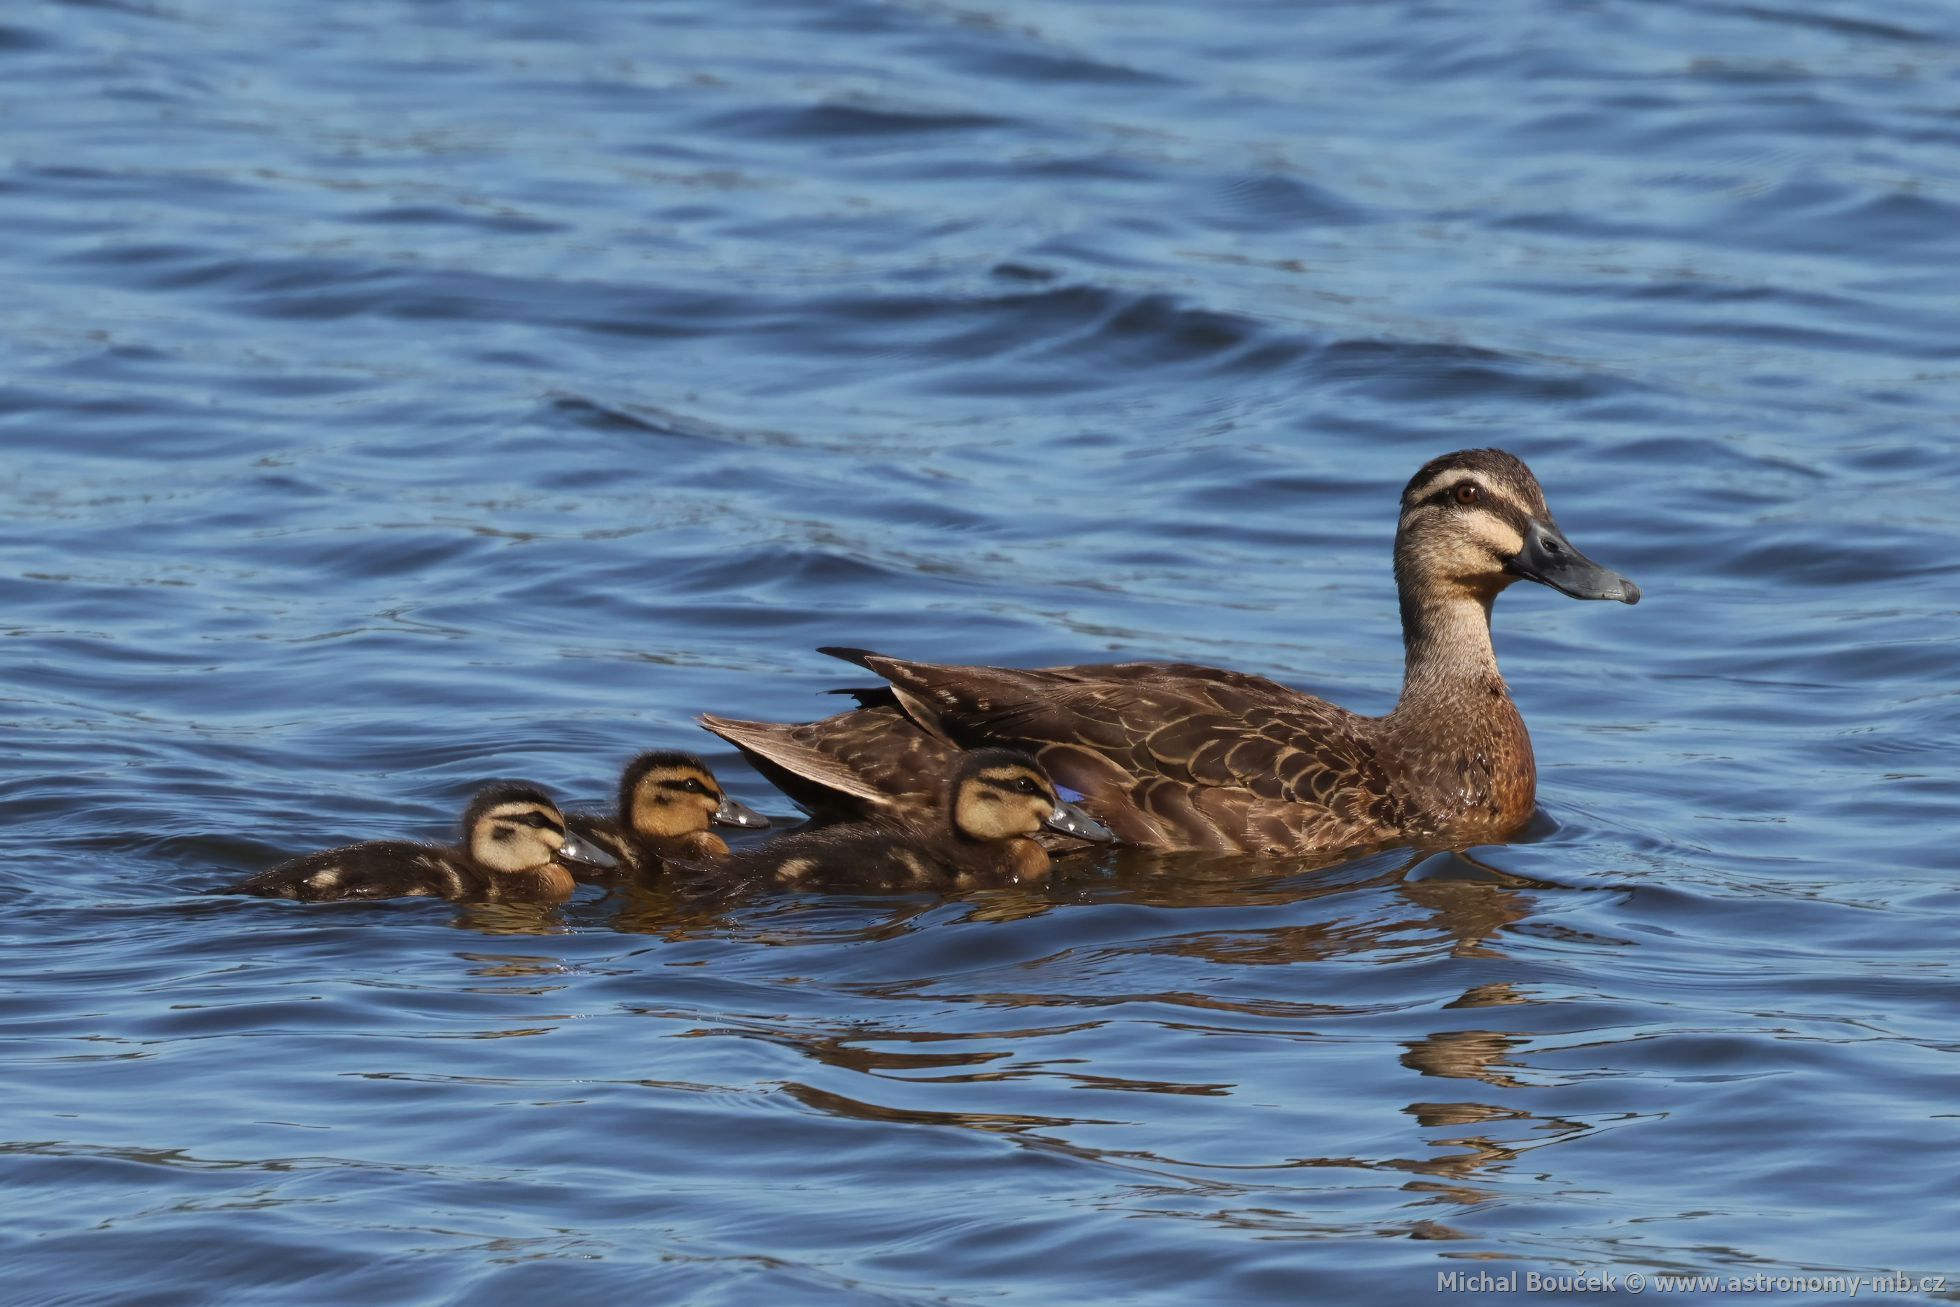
[997, 800]
[667, 801]
[515, 847]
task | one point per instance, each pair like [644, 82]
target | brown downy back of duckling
[514, 847]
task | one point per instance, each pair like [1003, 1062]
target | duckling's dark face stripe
[681, 785]
[1014, 782]
[534, 819]
[675, 800]
[1000, 802]
[515, 836]
[690, 785]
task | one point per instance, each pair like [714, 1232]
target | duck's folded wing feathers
[870, 762]
[1138, 721]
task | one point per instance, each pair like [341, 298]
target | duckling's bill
[575, 849]
[731, 813]
[1071, 820]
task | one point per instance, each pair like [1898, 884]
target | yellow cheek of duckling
[519, 848]
[990, 816]
[1036, 812]
[657, 813]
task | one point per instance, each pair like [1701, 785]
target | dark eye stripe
[539, 821]
[1509, 512]
[1489, 501]
[1014, 786]
[691, 785]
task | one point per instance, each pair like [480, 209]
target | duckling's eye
[1026, 786]
[1469, 493]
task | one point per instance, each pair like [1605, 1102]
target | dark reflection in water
[398, 395]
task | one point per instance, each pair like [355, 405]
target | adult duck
[1179, 756]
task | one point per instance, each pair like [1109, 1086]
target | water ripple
[402, 396]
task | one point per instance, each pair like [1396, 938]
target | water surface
[397, 395]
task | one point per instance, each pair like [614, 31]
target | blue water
[395, 395]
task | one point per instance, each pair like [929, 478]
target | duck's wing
[872, 763]
[1171, 755]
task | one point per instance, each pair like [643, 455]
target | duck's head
[1475, 521]
[668, 795]
[999, 794]
[514, 827]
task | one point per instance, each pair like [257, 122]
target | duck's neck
[1446, 649]
[1460, 747]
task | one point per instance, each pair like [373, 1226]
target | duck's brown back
[1177, 756]
[1171, 755]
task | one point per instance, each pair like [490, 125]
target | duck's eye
[1026, 786]
[685, 785]
[1469, 493]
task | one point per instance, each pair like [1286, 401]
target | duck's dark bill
[1071, 820]
[575, 849]
[1549, 559]
[731, 813]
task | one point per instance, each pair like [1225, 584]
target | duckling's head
[1475, 521]
[514, 827]
[668, 795]
[999, 794]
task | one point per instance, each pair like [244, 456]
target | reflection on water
[917, 1037]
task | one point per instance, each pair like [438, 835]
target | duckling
[667, 800]
[515, 847]
[997, 800]
[1180, 756]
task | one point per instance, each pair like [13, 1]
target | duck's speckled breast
[1463, 763]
